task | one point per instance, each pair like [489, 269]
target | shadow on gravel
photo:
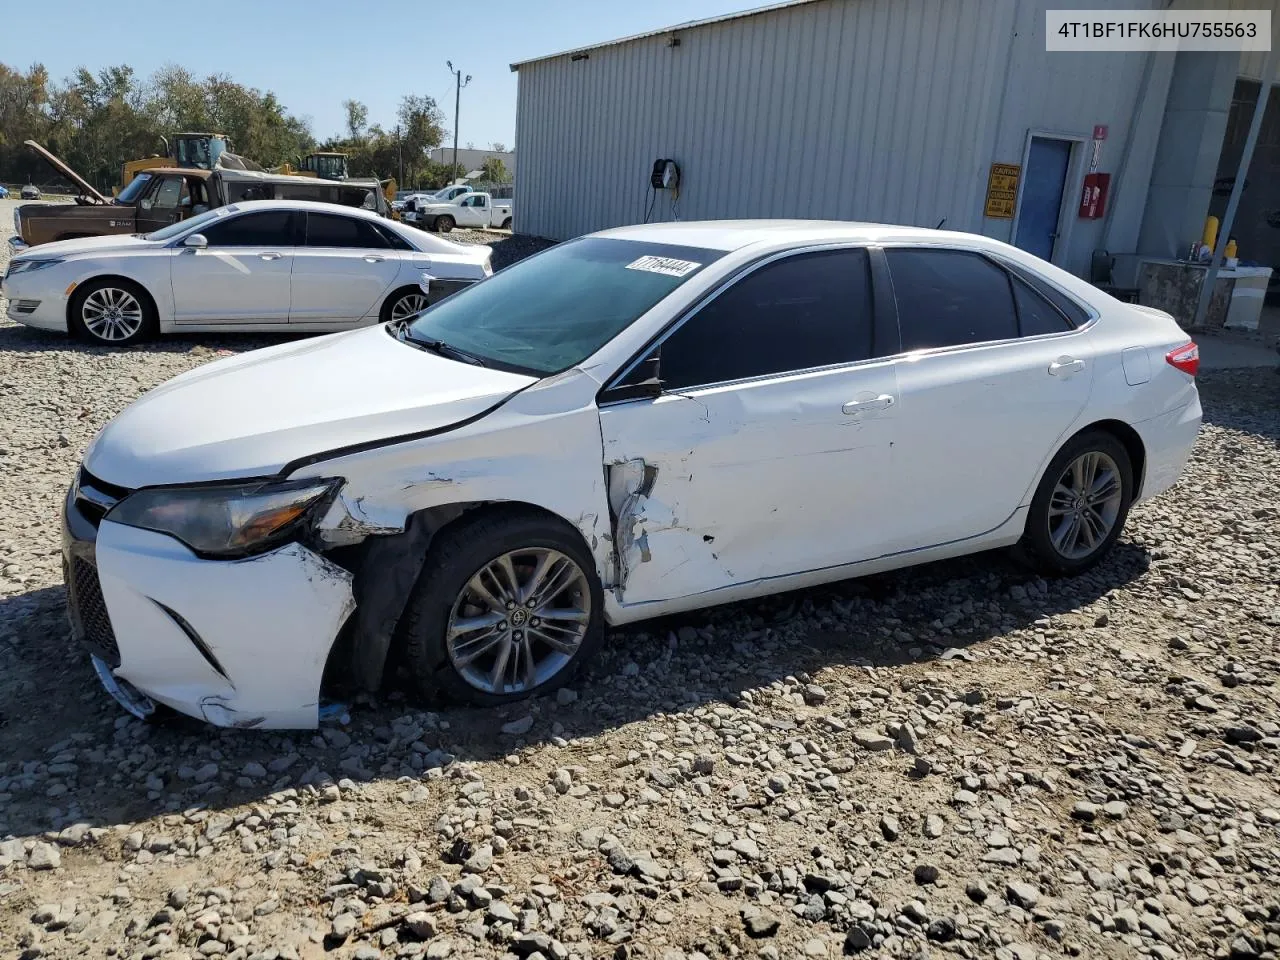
[16, 338]
[134, 772]
[1244, 400]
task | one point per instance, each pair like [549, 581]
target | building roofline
[687, 25]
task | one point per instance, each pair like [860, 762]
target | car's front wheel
[113, 312]
[444, 224]
[1080, 506]
[508, 606]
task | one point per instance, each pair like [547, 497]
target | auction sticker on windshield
[665, 265]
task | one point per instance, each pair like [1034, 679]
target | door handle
[882, 402]
[1065, 366]
[270, 256]
[373, 258]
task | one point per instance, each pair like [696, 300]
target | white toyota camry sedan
[643, 421]
[263, 265]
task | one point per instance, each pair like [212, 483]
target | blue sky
[316, 53]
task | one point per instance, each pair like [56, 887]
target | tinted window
[556, 308]
[949, 297]
[805, 311]
[1076, 314]
[1036, 315]
[271, 228]
[328, 230]
[393, 239]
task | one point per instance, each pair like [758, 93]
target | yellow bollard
[1210, 236]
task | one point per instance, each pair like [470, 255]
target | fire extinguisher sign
[1093, 200]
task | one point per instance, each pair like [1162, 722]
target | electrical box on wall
[1093, 199]
[665, 175]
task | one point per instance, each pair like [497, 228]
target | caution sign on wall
[1002, 190]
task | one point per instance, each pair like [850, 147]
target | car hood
[61, 167]
[113, 243]
[250, 415]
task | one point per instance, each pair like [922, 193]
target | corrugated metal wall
[883, 110]
[844, 109]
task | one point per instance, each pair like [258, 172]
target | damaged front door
[767, 452]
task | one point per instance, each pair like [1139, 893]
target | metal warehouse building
[903, 111]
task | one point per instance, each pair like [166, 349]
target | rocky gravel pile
[958, 760]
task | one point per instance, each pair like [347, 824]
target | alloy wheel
[112, 314]
[408, 305]
[519, 620]
[1085, 505]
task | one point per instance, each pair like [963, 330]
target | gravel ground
[960, 759]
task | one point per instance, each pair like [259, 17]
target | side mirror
[643, 383]
[197, 241]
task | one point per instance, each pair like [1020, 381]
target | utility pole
[400, 154]
[457, 104]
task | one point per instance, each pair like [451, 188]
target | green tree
[357, 118]
[495, 171]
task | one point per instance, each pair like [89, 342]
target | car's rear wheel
[1080, 506]
[506, 224]
[403, 304]
[508, 606]
[445, 223]
[113, 312]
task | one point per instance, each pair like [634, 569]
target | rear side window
[809, 310]
[329, 230]
[1076, 315]
[950, 298]
[1036, 315]
[393, 239]
[271, 228]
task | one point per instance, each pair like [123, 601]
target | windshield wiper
[401, 328]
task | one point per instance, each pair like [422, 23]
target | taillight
[1186, 358]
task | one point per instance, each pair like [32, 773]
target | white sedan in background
[255, 266]
[644, 421]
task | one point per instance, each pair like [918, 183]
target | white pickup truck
[467, 210]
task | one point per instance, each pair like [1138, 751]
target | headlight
[26, 266]
[226, 520]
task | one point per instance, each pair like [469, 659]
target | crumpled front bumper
[240, 643]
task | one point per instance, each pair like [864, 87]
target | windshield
[553, 310]
[193, 152]
[137, 186]
[182, 226]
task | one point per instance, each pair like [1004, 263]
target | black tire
[459, 553]
[1037, 547]
[148, 328]
[444, 223]
[386, 315]
[506, 224]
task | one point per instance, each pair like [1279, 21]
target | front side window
[194, 224]
[555, 309]
[804, 311]
[271, 228]
[170, 192]
[330, 230]
[950, 298]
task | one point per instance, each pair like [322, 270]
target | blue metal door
[1043, 184]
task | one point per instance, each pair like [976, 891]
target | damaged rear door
[766, 451]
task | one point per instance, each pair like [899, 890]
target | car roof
[313, 205]
[735, 234]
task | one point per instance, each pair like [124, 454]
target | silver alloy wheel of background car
[519, 620]
[111, 314]
[1084, 504]
[408, 305]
